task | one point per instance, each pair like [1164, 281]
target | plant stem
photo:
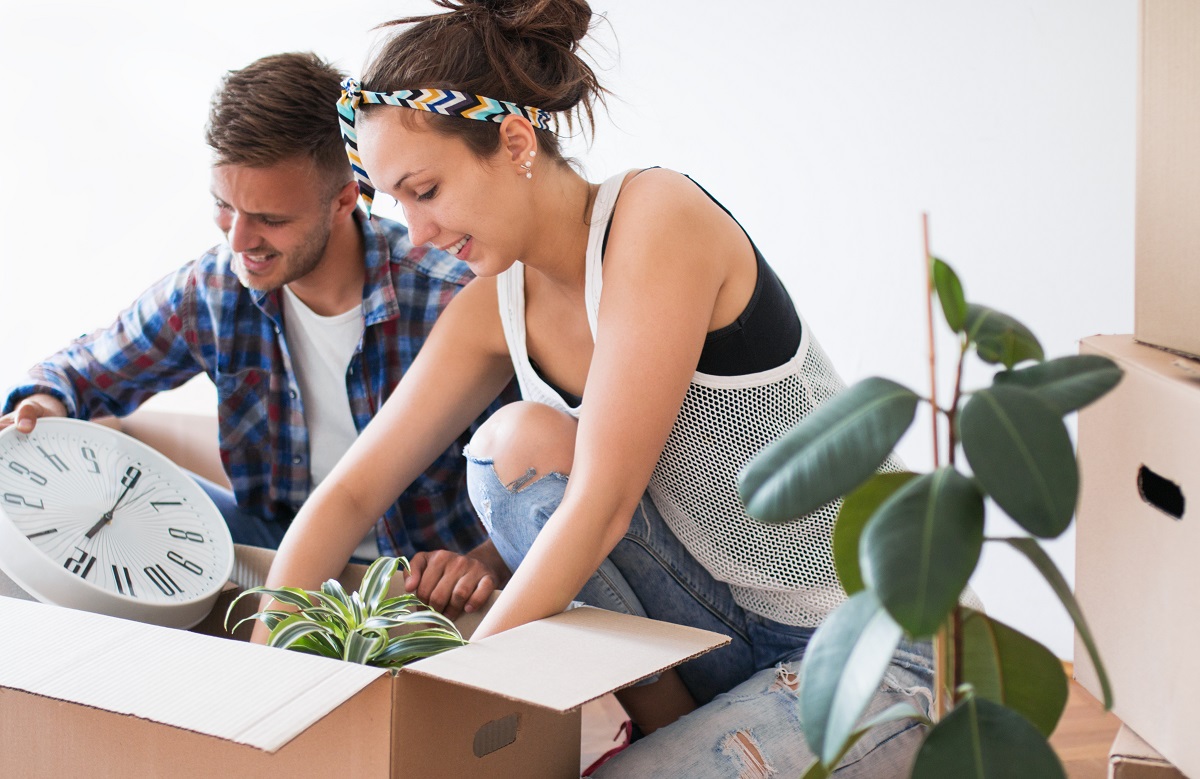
[937, 459]
[952, 412]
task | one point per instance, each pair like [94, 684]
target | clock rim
[42, 578]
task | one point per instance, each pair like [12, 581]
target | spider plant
[355, 627]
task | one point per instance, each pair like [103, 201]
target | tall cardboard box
[82, 693]
[1137, 561]
[1167, 232]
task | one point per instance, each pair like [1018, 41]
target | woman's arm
[461, 368]
[672, 254]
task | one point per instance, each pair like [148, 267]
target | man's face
[276, 219]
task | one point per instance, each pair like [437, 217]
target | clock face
[91, 518]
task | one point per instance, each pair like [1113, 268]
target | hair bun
[565, 22]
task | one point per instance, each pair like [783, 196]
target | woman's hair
[523, 51]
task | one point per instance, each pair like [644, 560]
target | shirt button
[276, 331]
[297, 459]
[292, 394]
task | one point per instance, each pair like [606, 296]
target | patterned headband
[446, 102]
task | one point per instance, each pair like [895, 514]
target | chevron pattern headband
[446, 102]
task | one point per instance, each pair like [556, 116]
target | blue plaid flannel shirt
[200, 318]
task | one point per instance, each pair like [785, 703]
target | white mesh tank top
[782, 572]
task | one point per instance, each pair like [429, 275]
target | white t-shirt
[321, 348]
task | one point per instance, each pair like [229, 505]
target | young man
[305, 320]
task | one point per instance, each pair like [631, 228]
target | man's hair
[278, 108]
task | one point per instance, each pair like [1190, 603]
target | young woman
[656, 351]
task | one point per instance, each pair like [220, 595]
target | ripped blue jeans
[747, 723]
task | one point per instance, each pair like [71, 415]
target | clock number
[90, 456]
[162, 580]
[178, 559]
[34, 476]
[186, 535]
[128, 582]
[132, 474]
[157, 503]
[21, 500]
[55, 460]
[82, 565]
[41, 533]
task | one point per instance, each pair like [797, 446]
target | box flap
[245, 693]
[564, 661]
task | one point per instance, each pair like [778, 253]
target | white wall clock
[93, 519]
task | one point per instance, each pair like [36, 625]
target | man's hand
[453, 583]
[30, 410]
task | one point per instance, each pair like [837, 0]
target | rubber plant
[355, 627]
[905, 545]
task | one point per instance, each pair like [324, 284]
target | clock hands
[130, 478]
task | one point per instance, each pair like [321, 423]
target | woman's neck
[563, 202]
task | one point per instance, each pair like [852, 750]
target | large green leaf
[894, 713]
[1033, 550]
[999, 338]
[1067, 383]
[841, 671]
[980, 739]
[1021, 454]
[922, 547]
[833, 450]
[1010, 668]
[950, 293]
[858, 507]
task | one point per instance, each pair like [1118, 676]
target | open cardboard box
[81, 691]
[1137, 544]
[1132, 758]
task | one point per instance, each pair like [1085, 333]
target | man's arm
[113, 370]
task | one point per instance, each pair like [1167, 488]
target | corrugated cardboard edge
[288, 694]
[525, 664]
[1132, 758]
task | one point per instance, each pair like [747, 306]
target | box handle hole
[497, 734]
[1163, 494]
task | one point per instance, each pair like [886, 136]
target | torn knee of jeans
[516, 484]
[919, 693]
[784, 677]
[745, 751]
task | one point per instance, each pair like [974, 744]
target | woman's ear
[517, 139]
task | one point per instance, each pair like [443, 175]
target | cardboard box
[1132, 758]
[1137, 560]
[119, 698]
[1167, 231]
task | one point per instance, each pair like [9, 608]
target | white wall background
[827, 128]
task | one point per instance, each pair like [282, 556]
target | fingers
[30, 410]
[450, 583]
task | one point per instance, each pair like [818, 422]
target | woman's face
[452, 199]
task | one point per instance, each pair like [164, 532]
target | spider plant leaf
[318, 643]
[1022, 457]
[400, 604]
[377, 580]
[356, 608]
[361, 646]
[842, 669]
[1066, 383]
[1000, 339]
[1033, 550]
[857, 509]
[981, 739]
[270, 618]
[289, 630]
[830, 452]
[290, 596]
[922, 547]
[1010, 668]
[413, 646]
[418, 617]
[950, 294]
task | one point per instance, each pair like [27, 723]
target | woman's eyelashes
[428, 194]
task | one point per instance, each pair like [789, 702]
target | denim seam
[864, 756]
[687, 586]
